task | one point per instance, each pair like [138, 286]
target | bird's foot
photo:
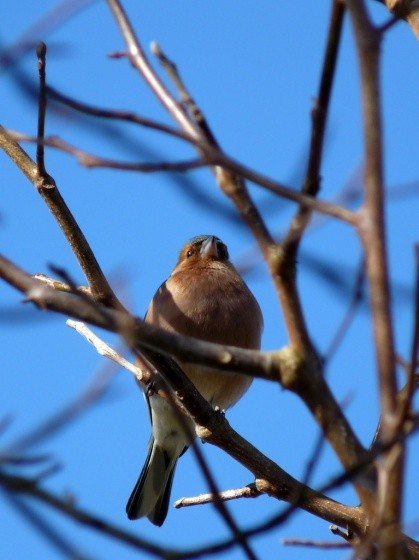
[219, 410]
[150, 388]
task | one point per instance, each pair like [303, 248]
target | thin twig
[89, 160]
[319, 115]
[215, 157]
[60, 285]
[25, 486]
[283, 265]
[357, 296]
[19, 460]
[48, 21]
[195, 111]
[104, 349]
[48, 190]
[232, 184]
[406, 401]
[55, 537]
[41, 52]
[140, 61]
[249, 491]
[113, 114]
[315, 544]
[96, 389]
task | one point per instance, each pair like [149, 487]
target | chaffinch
[205, 298]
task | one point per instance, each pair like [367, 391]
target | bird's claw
[150, 388]
[219, 410]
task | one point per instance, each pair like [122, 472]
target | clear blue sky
[254, 68]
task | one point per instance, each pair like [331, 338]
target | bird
[205, 298]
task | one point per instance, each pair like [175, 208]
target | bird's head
[202, 251]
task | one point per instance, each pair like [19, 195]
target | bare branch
[249, 491]
[412, 380]
[68, 508]
[355, 300]
[53, 535]
[41, 52]
[49, 191]
[211, 426]
[89, 160]
[319, 115]
[213, 157]
[285, 365]
[196, 113]
[315, 544]
[377, 475]
[114, 114]
[95, 390]
[104, 349]
[140, 62]
[372, 230]
[136, 331]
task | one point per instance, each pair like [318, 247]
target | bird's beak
[209, 248]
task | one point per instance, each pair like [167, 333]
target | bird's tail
[151, 494]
